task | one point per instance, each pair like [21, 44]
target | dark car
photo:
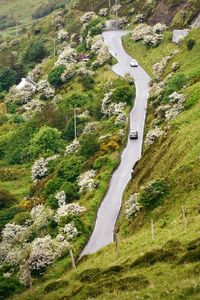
[133, 135]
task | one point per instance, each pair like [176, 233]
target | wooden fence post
[152, 230]
[72, 259]
[184, 216]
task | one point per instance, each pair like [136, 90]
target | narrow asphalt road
[103, 232]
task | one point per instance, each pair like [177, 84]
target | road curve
[103, 232]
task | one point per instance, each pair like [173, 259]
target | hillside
[60, 140]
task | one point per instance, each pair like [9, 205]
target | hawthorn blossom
[13, 233]
[86, 181]
[121, 119]
[152, 135]
[39, 169]
[71, 209]
[61, 197]
[63, 35]
[70, 231]
[68, 55]
[72, 148]
[87, 17]
[103, 12]
[132, 207]
[45, 90]
[69, 72]
[91, 126]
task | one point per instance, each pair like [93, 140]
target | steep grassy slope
[168, 266]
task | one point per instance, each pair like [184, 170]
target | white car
[134, 63]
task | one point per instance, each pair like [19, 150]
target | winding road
[103, 233]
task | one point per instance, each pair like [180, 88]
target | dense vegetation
[53, 174]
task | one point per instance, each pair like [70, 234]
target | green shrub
[7, 78]
[8, 286]
[89, 144]
[70, 168]
[35, 52]
[47, 141]
[22, 218]
[71, 190]
[52, 186]
[100, 162]
[54, 76]
[52, 202]
[190, 44]
[8, 214]
[174, 85]
[123, 94]
[152, 195]
[87, 82]
[6, 199]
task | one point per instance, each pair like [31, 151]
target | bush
[6, 199]
[47, 141]
[123, 94]
[174, 85]
[22, 218]
[100, 162]
[89, 144]
[71, 191]
[7, 214]
[8, 286]
[52, 186]
[87, 82]
[7, 78]
[152, 194]
[190, 44]
[70, 168]
[35, 52]
[54, 76]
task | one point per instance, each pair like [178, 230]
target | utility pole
[54, 49]
[75, 127]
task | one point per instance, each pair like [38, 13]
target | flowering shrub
[115, 8]
[72, 148]
[103, 55]
[103, 12]
[69, 72]
[68, 55]
[110, 109]
[121, 119]
[152, 194]
[90, 127]
[158, 68]
[63, 35]
[70, 231]
[61, 197]
[152, 135]
[13, 233]
[39, 169]
[151, 36]
[86, 181]
[45, 90]
[87, 17]
[175, 66]
[132, 207]
[71, 209]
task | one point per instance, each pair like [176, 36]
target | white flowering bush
[87, 17]
[132, 207]
[68, 55]
[69, 72]
[115, 8]
[152, 135]
[103, 55]
[13, 233]
[95, 43]
[82, 70]
[111, 109]
[70, 231]
[121, 119]
[103, 12]
[63, 35]
[45, 90]
[41, 216]
[90, 127]
[58, 21]
[86, 181]
[61, 197]
[175, 66]
[71, 209]
[72, 148]
[24, 94]
[39, 169]
[151, 36]
[159, 67]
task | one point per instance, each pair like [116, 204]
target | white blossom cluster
[36, 72]
[70, 231]
[24, 94]
[103, 12]
[90, 127]
[63, 35]
[151, 36]
[71, 209]
[175, 66]
[121, 119]
[132, 207]
[110, 109]
[61, 197]
[86, 181]
[58, 20]
[72, 148]
[69, 72]
[68, 55]
[115, 8]
[87, 17]
[159, 67]
[152, 135]
[82, 70]
[13, 233]
[103, 55]
[40, 215]
[45, 90]
[40, 167]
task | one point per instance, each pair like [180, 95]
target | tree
[123, 94]
[7, 78]
[89, 144]
[54, 76]
[35, 52]
[47, 141]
